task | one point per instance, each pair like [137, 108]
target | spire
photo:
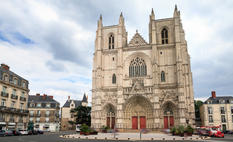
[152, 16]
[176, 12]
[121, 19]
[84, 98]
[100, 24]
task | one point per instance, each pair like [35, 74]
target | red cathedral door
[113, 122]
[142, 122]
[171, 120]
[165, 119]
[134, 122]
[108, 122]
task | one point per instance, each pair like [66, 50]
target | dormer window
[15, 81]
[5, 77]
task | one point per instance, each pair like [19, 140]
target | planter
[84, 133]
[182, 134]
[94, 133]
[189, 134]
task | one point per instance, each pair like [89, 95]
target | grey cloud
[57, 67]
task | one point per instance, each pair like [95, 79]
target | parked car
[30, 132]
[78, 128]
[203, 132]
[2, 133]
[40, 132]
[16, 132]
[23, 132]
[228, 132]
[9, 133]
[215, 132]
[35, 132]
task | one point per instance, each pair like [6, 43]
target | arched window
[164, 36]
[162, 76]
[113, 79]
[111, 42]
[137, 68]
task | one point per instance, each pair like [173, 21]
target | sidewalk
[132, 136]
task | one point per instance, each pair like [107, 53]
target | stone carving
[137, 40]
[137, 87]
[168, 96]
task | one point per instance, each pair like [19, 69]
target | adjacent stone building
[14, 97]
[217, 111]
[67, 116]
[44, 112]
[140, 84]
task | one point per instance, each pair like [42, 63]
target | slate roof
[41, 99]
[11, 75]
[219, 100]
[76, 102]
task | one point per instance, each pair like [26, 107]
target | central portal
[141, 124]
[138, 113]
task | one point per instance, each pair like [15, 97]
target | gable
[137, 40]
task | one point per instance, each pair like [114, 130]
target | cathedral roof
[137, 40]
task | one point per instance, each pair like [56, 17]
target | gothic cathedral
[140, 84]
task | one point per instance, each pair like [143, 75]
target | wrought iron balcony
[20, 120]
[4, 94]
[13, 110]
[12, 119]
[22, 98]
[14, 96]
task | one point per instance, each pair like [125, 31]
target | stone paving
[132, 136]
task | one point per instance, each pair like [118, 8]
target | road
[54, 137]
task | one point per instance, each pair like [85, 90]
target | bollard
[183, 138]
[191, 138]
[116, 138]
[86, 137]
[152, 139]
[79, 137]
[128, 138]
[95, 137]
[164, 139]
[174, 139]
[105, 138]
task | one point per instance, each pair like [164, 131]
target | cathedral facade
[140, 84]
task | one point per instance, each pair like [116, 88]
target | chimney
[51, 97]
[68, 98]
[4, 66]
[38, 94]
[44, 96]
[213, 94]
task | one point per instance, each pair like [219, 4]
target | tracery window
[164, 36]
[137, 68]
[111, 42]
[113, 79]
[162, 76]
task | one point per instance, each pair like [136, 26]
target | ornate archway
[110, 113]
[169, 113]
[138, 112]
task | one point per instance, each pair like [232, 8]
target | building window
[113, 79]
[15, 81]
[163, 76]
[137, 68]
[222, 110]
[38, 119]
[46, 119]
[211, 118]
[38, 112]
[47, 113]
[22, 94]
[38, 105]
[21, 105]
[164, 36]
[3, 102]
[31, 112]
[23, 85]
[111, 42]
[231, 109]
[31, 119]
[5, 78]
[223, 118]
[14, 92]
[12, 104]
[48, 105]
[4, 89]
[210, 111]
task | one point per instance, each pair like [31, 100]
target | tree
[30, 126]
[83, 115]
[197, 104]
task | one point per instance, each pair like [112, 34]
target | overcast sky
[51, 43]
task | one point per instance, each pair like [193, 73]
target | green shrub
[181, 129]
[173, 130]
[84, 128]
[189, 129]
